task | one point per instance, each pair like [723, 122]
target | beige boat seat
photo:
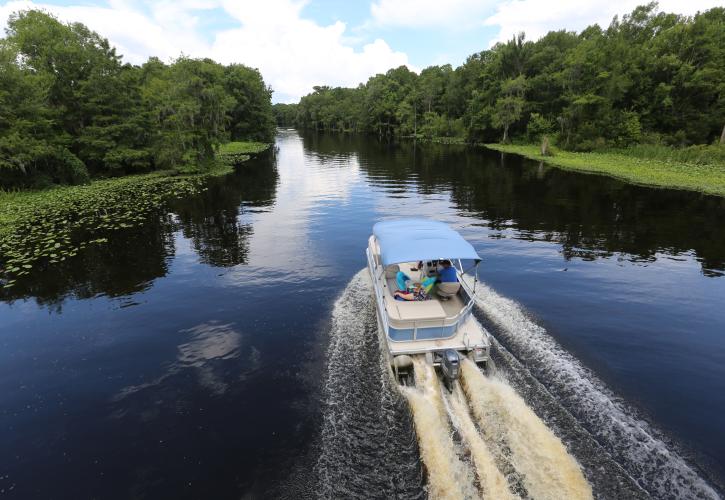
[392, 308]
[447, 290]
[391, 271]
[414, 310]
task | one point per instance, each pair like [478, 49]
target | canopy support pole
[475, 276]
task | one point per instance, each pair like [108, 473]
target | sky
[297, 44]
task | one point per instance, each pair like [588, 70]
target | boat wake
[368, 444]
[517, 435]
[543, 427]
[492, 482]
[533, 358]
[509, 454]
[449, 475]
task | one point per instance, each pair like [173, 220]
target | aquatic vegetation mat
[234, 153]
[41, 228]
[38, 229]
[696, 173]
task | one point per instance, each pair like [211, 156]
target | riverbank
[707, 176]
[38, 228]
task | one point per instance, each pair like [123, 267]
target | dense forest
[71, 110]
[649, 77]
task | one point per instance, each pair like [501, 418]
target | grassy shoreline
[38, 228]
[660, 172]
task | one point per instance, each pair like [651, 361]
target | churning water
[628, 438]
[449, 474]
[482, 439]
[521, 438]
[492, 482]
[368, 445]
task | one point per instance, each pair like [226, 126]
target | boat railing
[378, 292]
[448, 320]
[427, 329]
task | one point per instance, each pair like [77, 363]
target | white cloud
[295, 53]
[536, 18]
[428, 13]
[166, 32]
[292, 53]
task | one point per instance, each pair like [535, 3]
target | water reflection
[132, 259]
[312, 187]
[208, 385]
[209, 345]
[213, 222]
[589, 216]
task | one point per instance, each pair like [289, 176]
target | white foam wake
[492, 481]
[629, 439]
[547, 470]
[368, 446]
[448, 476]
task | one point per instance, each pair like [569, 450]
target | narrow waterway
[228, 347]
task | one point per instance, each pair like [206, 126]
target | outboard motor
[450, 367]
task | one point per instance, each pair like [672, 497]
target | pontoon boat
[441, 326]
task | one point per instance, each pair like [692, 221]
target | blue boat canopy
[411, 240]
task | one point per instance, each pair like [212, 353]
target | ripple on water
[368, 445]
[630, 441]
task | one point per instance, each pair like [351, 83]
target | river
[224, 350]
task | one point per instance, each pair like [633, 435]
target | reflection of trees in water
[128, 263]
[591, 216]
[220, 240]
[212, 221]
[133, 258]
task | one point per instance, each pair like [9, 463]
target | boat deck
[434, 308]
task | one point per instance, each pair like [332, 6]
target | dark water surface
[187, 358]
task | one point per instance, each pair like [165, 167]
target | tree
[69, 107]
[648, 76]
[190, 109]
[94, 102]
[510, 106]
[30, 149]
[250, 117]
[285, 115]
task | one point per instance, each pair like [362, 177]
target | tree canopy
[71, 109]
[649, 76]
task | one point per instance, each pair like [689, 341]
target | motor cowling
[403, 362]
[450, 365]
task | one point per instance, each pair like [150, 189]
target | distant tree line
[650, 76]
[70, 109]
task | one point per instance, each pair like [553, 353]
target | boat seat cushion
[391, 271]
[392, 285]
[400, 280]
[418, 310]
